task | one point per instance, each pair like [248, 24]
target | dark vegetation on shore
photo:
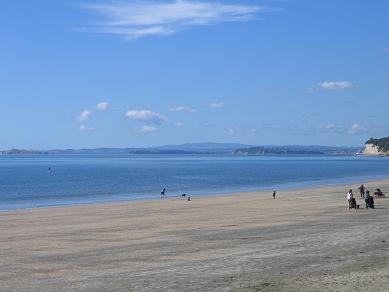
[382, 144]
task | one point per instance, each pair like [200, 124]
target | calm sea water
[25, 182]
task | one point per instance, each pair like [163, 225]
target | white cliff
[371, 149]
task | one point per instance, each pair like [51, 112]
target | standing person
[362, 191]
[350, 195]
[351, 200]
[163, 193]
[274, 195]
[369, 201]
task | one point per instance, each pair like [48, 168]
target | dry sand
[305, 240]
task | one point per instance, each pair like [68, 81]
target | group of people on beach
[365, 194]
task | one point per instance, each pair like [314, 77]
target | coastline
[305, 240]
[282, 187]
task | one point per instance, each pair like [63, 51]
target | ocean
[27, 182]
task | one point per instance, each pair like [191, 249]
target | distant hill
[197, 148]
[189, 148]
[275, 150]
[296, 149]
[220, 148]
[20, 152]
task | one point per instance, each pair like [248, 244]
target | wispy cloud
[354, 129]
[146, 116]
[333, 128]
[284, 129]
[86, 128]
[148, 129]
[307, 129]
[333, 85]
[84, 115]
[330, 126]
[329, 85]
[183, 109]
[137, 19]
[216, 105]
[103, 106]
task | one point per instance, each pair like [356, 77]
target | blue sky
[140, 73]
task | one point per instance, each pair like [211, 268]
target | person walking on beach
[362, 191]
[274, 195]
[163, 193]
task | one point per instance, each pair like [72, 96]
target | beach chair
[379, 194]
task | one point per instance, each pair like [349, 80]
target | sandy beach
[305, 240]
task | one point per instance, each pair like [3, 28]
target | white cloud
[179, 124]
[216, 105]
[146, 116]
[84, 115]
[356, 129]
[137, 19]
[330, 126]
[86, 128]
[333, 128]
[331, 85]
[148, 129]
[102, 106]
[183, 109]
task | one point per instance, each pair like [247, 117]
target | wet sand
[305, 240]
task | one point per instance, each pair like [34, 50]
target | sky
[86, 74]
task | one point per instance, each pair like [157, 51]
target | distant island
[198, 148]
[275, 150]
[189, 148]
[300, 150]
[377, 146]
[21, 152]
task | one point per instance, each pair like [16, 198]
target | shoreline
[287, 187]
